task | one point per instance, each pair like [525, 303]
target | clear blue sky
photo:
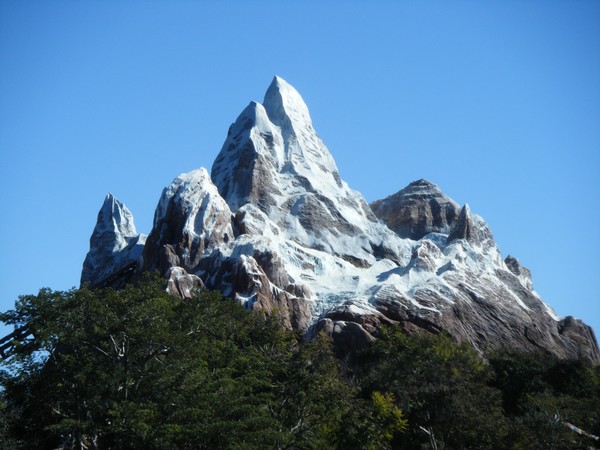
[496, 102]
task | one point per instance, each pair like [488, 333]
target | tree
[542, 394]
[138, 368]
[440, 385]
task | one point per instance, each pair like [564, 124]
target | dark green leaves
[137, 368]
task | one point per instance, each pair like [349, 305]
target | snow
[303, 175]
[285, 106]
[551, 312]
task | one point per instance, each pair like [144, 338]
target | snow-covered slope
[275, 227]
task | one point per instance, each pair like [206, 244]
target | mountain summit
[274, 163]
[276, 228]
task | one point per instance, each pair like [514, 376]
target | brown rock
[417, 210]
[181, 283]
[464, 228]
[347, 336]
[190, 219]
[251, 286]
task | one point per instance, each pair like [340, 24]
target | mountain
[276, 228]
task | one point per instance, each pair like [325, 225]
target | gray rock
[347, 336]
[417, 210]
[181, 283]
[480, 313]
[579, 335]
[520, 271]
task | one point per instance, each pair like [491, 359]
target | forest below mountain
[140, 369]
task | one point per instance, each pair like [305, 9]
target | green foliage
[137, 368]
[453, 398]
[441, 386]
[541, 394]
[389, 414]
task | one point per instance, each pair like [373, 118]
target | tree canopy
[139, 369]
[453, 397]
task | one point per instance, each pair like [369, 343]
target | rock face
[417, 210]
[276, 228]
[520, 271]
[464, 228]
[190, 220]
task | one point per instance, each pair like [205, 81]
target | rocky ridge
[275, 227]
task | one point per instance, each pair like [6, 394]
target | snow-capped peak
[279, 164]
[285, 106]
[304, 150]
[114, 242]
[187, 189]
[115, 220]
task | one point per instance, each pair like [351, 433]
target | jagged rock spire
[305, 153]
[464, 227]
[269, 141]
[115, 225]
[520, 271]
[114, 243]
[251, 154]
[285, 106]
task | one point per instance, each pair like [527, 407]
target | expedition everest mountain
[276, 228]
